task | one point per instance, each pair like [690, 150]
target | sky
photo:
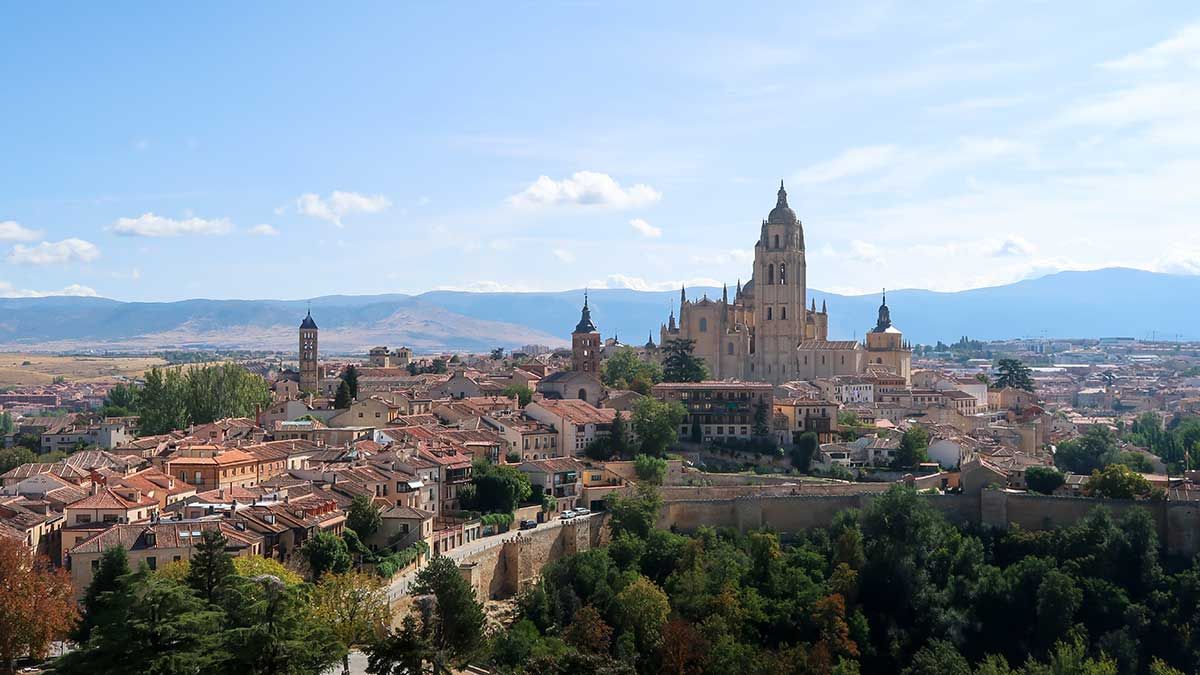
[161, 151]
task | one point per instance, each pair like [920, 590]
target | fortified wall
[1178, 523]
[503, 571]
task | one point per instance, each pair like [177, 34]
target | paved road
[400, 585]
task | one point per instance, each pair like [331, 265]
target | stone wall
[1178, 523]
[506, 569]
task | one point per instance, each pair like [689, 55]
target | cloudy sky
[251, 150]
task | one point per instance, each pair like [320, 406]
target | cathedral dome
[782, 214]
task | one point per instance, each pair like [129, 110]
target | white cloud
[866, 252]
[54, 252]
[735, 255]
[264, 230]
[564, 255]
[639, 284]
[340, 204]
[645, 229]
[971, 105]
[7, 290]
[11, 230]
[1179, 260]
[489, 286]
[1183, 47]
[1014, 246]
[852, 162]
[584, 188]
[150, 225]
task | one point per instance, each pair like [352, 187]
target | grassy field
[20, 370]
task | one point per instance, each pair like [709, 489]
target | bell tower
[585, 343]
[310, 373]
[780, 287]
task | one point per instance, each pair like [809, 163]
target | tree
[37, 605]
[683, 649]
[11, 458]
[806, 448]
[325, 552]
[224, 390]
[679, 364]
[982, 377]
[364, 517]
[1117, 481]
[913, 446]
[498, 488]
[521, 392]
[273, 631]
[6, 423]
[1087, 453]
[210, 566]
[626, 370]
[446, 630]
[656, 424]
[762, 427]
[1014, 374]
[163, 402]
[939, 657]
[350, 377]
[618, 436]
[588, 631]
[635, 514]
[342, 399]
[653, 470]
[355, 608]
[120, 401]
[109, 578]
[157, 626]
[497, 353]
[1044, 479]
[641, 609]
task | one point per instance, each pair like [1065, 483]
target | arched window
[703, 325]
[768, 314]
[776, 241]
[583, 394]
[729, 348]
[783, 313]
[783, 274]
[878, 360]
[770, 275]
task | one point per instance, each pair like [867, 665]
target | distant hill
[1095, 303]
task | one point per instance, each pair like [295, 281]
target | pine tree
[109, 577]
[350, 377]
[211, 567]
[679, 364]
[342, 399]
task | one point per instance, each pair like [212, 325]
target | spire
[814, 306]
[650, 340]
[585, 324]
[739, 288]
[781, 197]
[823, 311]
[682, 296]
[725, 293]
[884, 321]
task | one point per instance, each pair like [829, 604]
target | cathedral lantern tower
[780, 288]
[585, 343]
[886, 345]
[310, 374]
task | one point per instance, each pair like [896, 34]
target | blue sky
[288, 150]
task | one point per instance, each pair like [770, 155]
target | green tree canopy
[211, 566]
[1013, 374]
[326, 552]
[626, 370]
[679, 364]
[172, 399]
[350, 377]
[653, 470]
[521, 392]
[1044, 479]
[342, 398]
[913, 448]
[364, 516]
[656, 424]
[497, 488]
[1117, 481]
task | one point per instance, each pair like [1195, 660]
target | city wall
[1178, 523]
[509, 568]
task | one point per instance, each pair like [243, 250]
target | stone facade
[310, 369]
[766, 333]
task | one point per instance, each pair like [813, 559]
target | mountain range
[1096, 303]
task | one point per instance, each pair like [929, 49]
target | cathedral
[767, 333]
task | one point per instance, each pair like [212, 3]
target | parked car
[567, 515]
[528, 524]
[582, 510]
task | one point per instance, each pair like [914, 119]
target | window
[729, 348]
[770, 275]
[768, 314]
[152, 562]
[703, 325]
[83, 518]
[783, 274]
[776, 241]
[783, 313]
[583, 394]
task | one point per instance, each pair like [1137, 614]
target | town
[363, 472]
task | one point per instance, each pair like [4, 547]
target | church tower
[780, 287]
[886, 345]
[310, 375]
[585, 343]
